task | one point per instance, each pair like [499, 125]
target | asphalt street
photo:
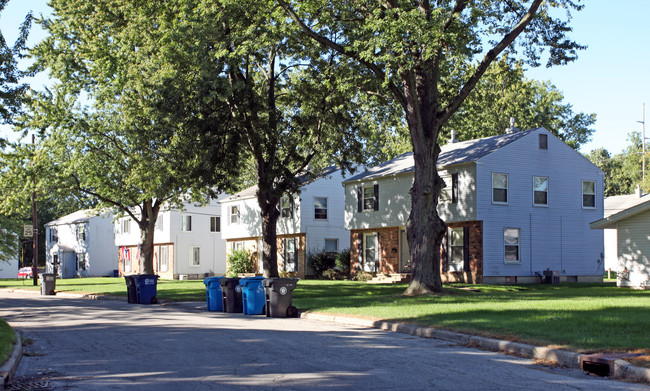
[78, 344]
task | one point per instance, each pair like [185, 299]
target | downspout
[530, 246]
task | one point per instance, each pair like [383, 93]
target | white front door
[370, 252]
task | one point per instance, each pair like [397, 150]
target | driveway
[77, 344]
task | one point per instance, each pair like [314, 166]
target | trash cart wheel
[292, 312]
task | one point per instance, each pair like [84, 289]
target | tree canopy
[413, 49]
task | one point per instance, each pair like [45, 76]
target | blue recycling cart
[146, 288]
[213, 293]
[253, 295]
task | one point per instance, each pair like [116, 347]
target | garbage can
[146, 288]
[231, 294]
[213, 294]
[48, 283]
[279, 293]
[253, 295]
[131, 290]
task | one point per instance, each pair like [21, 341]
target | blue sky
[611, 78]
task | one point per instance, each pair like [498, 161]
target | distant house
[627, 224]
[516, 205]
[309, 222]
[188, 243]
[9, 264]
[81, 245]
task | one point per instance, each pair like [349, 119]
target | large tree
[127, 122]
[413, 47]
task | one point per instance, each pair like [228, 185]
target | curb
[8, 369]
[622, 369]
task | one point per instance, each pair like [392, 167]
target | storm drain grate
[28, 385]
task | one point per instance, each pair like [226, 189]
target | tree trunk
[270, 214]
[147, 224]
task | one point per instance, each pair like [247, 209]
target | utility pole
[643, 145]
[35, 223]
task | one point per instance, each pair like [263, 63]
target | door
[404, 253]
[69, 265]
[370, 253]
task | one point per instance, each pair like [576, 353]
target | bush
[333, 274]
[320, 261]
[240, 261]
[362, 276]
[342, 260]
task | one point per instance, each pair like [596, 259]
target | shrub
[342, 260]
[362, 276]
[240, 261]
[333, 274]
[320, 261]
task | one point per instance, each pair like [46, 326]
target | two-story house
[516, 205]
[81, 245]
[309, 222]
[188, 242]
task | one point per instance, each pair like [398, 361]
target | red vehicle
[26, 272]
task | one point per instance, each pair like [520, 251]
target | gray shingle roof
[79, 216]
[451, 154]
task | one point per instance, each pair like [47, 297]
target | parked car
[26, 272]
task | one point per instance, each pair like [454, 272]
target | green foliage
[240, 261]
[342, 260]
[7, 340]
[320, 261]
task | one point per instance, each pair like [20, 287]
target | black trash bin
[48, 283]
[131, 290]
[279, 294]
[232, 298]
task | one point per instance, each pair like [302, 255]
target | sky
[611, 78]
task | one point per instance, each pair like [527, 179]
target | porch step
[393, 278]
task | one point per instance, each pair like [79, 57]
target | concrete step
[394, 278]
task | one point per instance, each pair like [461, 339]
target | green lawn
[7, 340]
[581, 317]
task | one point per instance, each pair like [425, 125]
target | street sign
[28, 231]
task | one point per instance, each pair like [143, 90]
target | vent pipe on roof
[512, 127]
[638, 191]
[453, 137]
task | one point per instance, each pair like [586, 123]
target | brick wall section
[475, 275]
[388, 239]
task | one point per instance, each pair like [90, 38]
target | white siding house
[309, 222]
[516, 205]
[81, 245]
[626, 224]
[188, 243]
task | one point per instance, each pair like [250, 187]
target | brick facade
[389, 250]
[250, 245]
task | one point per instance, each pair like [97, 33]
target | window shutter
[445, 252]
[466, 266]
[360, 199]
[376, 206]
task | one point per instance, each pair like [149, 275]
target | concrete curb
[8, 369]
[622, 369]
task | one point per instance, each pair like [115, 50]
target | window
[285, 207]
[320, 208]
[289, 254]
[81, 261]
[159, 223]
[454, 188]
[81, 233]
[53, 236]
[195, 256]
[126, 226]
[588, 194]
[456, 249]
[370, 252]
[368, 198]
[511, 245]
[186, 223]
[331, 245]
[234, 214]
[543, 141]
[499, 188]
[215, 224]
[163, 258]
[540, 191]
[237, 246]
